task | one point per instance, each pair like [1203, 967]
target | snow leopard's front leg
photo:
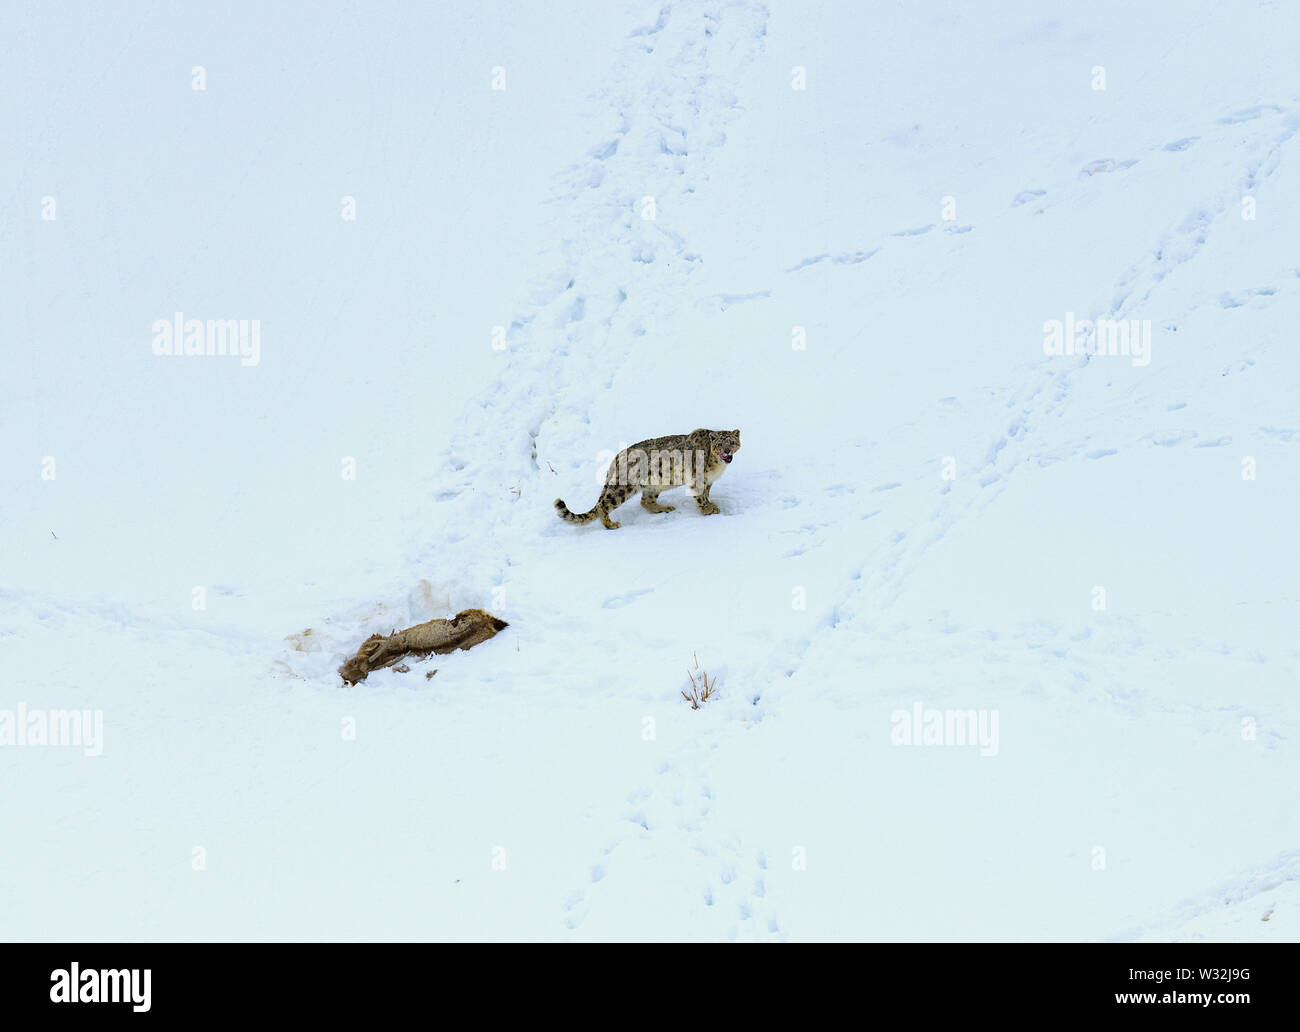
[706, 467]
[701, 492]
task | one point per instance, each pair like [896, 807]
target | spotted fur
[693, 461]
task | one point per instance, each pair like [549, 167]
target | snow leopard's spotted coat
[693, 460]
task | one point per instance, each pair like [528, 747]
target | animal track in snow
[1169, 438]
[626, 598]
[1249, 114]
[852, 258]
[1237, 301]
[1105, 165]
[724, 301]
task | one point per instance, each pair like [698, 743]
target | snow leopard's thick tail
[578, 518]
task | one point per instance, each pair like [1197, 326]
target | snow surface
[552, 783]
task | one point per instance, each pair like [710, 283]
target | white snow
[945, 498]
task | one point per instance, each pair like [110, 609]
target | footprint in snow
[628, 597]
[1104, 165]
[1248, 114]
[1229, 301]
[576, 909]
[1171, 438]
[1025, 196]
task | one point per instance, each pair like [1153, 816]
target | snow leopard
[694, 460]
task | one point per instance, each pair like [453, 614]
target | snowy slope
[922, 511]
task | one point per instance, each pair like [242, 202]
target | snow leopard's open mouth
[725, 456]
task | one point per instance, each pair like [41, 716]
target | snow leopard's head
[725, 443]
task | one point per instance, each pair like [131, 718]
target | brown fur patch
[466, 629]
